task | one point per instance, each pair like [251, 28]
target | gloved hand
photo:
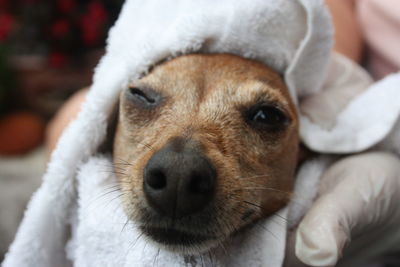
[357, 213]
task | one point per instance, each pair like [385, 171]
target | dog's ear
[107, 146]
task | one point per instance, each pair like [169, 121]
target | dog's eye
[267, 116]
[142, 96]
[146, 98]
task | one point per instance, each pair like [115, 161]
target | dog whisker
[202, 260]
[251, 177]
[156, 256]
[111, 167]
[114, 198]
[263, 227]
[278, 216]
[122, 169]
[121, 162]
[264, 188]
[272, 215]
[109, 191]
[224, 249]
[147, 146]
[126, 223]
[289, 194]
[114, 172]
[247, 214]
[132, 246]
[210, 256]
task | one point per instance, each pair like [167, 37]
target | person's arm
[63, 117]
[348, 36]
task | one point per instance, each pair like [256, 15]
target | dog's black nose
[178, 180]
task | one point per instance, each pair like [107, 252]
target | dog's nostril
[157, 179]
[178, 182]
[199, 184]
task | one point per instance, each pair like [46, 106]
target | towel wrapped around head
[292, 37]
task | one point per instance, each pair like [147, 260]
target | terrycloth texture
[366, 120]
[102, 235]
[293, 37]
[345, 81]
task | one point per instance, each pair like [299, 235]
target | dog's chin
[179, 241]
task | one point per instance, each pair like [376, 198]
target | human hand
[357, 214]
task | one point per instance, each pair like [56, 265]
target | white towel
[293, 37]
[103, 236]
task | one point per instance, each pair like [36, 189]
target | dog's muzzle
[179, 180]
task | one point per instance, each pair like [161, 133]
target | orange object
[20, 132]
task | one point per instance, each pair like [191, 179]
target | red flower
[66, 6]
[60, 28]
[6, 25]
[57, 59]
[29, 1]
[97, 11]
[4, 4]
[92, 23]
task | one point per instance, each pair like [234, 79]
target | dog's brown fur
[204, 99]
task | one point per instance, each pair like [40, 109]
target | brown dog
[207, 144]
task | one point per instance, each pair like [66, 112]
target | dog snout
[179, 180]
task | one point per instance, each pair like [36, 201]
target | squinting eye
[140, 95]
[267, 116]
[144, 98]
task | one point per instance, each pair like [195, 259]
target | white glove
[357, 213]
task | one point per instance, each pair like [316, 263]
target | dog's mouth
[173, 237]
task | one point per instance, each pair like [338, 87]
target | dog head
[207, 145]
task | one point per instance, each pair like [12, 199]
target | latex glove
[358, 209]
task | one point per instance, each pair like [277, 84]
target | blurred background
[48, 50]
